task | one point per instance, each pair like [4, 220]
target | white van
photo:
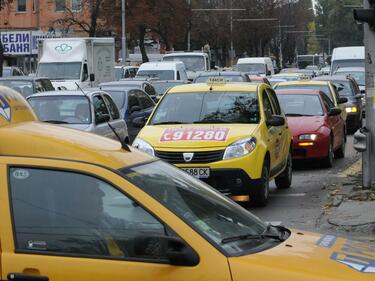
[347, 57]
[195, 62]
[256, 65]
[174, 70]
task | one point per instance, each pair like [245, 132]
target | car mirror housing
[102, 119]
[139, 122]
[342, 100]
[275, 121]
[334, 111]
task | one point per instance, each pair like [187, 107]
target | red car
[317, 127]
[259, 79]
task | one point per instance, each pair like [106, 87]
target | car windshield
[337, 64]
[192, 63]
[358, 76]
[256, 68]
[343, 88]
[207, 211]
[60, 70]
[25, 88]
[161, 74]
[161, 88]
[117, 96]
[301, 105]
[208, 107]
[323, 88]
[62, 109]
[227, 78]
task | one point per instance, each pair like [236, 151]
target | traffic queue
[78, 206]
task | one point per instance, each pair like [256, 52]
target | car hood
[155, 135]
[305, 124]
[308, 257]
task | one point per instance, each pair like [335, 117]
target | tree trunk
[1, 58]
[142, 33]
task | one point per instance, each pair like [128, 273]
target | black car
[229, 76]
[27, 85]
[347, 87]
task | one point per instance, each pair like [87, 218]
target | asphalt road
[301, 206]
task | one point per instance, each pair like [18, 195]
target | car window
[274, 101]
[178, 75]
[150, 90]
[267, 106]
[327, 102]
[39, 86]
[112, 107]
[118, 97]
[144, 100]
[68, 213]
[100, 108]
[47, 85]
[133, 100]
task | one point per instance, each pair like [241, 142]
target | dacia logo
[63, 48]
[5, 110]
[188, 156]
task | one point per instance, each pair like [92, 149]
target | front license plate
[200, 173]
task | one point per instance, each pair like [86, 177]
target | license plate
[200, 173]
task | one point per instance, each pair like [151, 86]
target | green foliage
[335, 21]
[313, 46]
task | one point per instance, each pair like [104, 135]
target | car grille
[199, 157]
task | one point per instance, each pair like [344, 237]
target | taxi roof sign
[14, 108]
[216, 80]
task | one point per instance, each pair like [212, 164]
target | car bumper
[318, 149]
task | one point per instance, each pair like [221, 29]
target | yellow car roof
[216, 87]
[304, 82]
[22, 135]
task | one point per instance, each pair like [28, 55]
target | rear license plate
[200, 173]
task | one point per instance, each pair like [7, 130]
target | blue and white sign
[16, 42]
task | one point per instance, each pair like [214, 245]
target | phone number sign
[195, 134]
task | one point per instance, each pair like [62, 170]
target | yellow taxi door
[272, 134]
[73, 221]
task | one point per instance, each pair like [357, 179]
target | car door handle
[26, 277]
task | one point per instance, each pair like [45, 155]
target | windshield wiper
[211, 121]
[169, 123]
[56, 122]
[263, 235]
[297, 114]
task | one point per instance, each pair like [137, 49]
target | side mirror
[358, 96]
[342, 100]
[269, 73]
[135, 108]
[139, 122]
[92, 77]
[334, 111]
[213, 66]
[275, 121]
[102, 119]
[176, 251]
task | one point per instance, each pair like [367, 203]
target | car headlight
[240, 148]
[143, 146]
[351, 109]
[311, 137]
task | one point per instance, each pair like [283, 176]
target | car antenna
[124, 145]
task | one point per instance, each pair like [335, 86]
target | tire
[340, 153]
[284, 180]
[328, 161]
[259, 193]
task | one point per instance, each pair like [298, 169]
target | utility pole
[123, 33]
[189, 27]
[364, 139]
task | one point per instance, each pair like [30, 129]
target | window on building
[60, 5]
[21, 5]
[76, 5]
[35, 6]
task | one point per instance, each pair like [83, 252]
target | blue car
[132, 103]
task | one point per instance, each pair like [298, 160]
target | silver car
[91, 111]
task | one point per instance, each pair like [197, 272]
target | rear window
[118, 97]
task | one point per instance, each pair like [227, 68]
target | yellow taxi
[77, 206]
[325, 86]
[230, 135]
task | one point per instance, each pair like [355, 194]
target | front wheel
[328, 161]
[284, 180]
[259, 193]
[340, 153]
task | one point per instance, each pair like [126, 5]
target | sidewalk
[350, 210]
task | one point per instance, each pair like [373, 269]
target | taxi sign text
[195, 134]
